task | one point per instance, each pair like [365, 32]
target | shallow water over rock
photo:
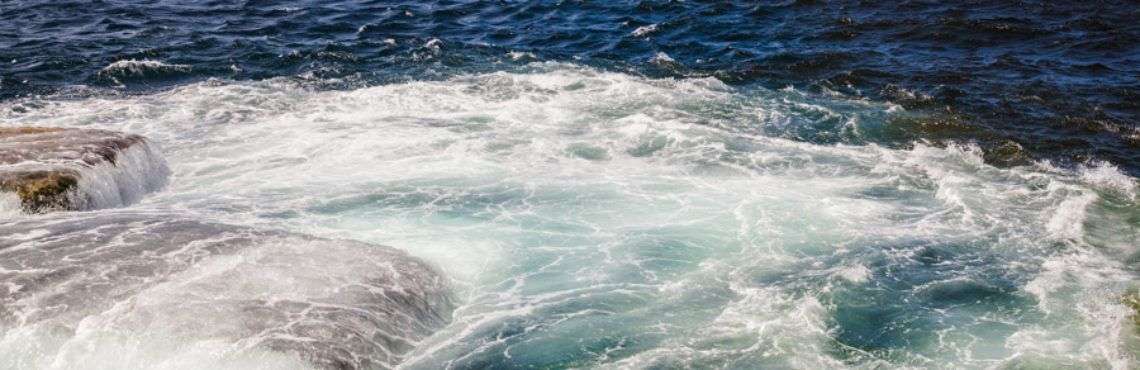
[596, 219]
[121, 289]
[76, 169]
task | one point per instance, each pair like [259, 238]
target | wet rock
[75, 169]
[1131, 299]
[158, 278]
[1007, 154]
[41, 190]
[933, 127]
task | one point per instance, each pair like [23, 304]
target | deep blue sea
[1058, 80]
[628, 184]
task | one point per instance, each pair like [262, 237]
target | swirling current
[571, 184]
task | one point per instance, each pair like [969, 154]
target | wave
[599, 219]
[140, 67]
[1107, 176]
[129, 70]
[644, 30]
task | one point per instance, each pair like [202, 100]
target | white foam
[644, 30]
[1066, 222]
[1106, 176]
[542, 193]
[854, 274]
[141, 67]
[661, 57]
[10, 205]
[1078, 285]
[137, 171]
[521, 55]
[211, 296]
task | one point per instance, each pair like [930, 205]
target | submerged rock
[82, 285]
[41, 190]
[1008, 153]
[76, 169]
[1131, 299]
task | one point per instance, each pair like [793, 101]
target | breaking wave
[131, 70]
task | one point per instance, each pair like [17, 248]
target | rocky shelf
[76, 169]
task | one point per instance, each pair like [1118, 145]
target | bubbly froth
[598, 219]
[138, 290]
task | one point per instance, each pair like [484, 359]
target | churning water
[579, 218]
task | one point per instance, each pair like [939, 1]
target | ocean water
[630, 185]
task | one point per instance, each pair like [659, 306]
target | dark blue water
[1026, 80]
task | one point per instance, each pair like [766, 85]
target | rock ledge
[76, 169]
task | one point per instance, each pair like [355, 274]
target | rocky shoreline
[46, 168]
[328, 302]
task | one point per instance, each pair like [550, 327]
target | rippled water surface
[598, 185]
[1058, 80]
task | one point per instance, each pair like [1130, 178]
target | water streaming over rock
[581, 218]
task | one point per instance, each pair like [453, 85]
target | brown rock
[1007, 154]
[41, 191]
[41, 164]
[1132, 300]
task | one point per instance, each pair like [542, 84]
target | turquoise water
[588, 218]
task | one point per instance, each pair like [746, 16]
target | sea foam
[597, 219]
